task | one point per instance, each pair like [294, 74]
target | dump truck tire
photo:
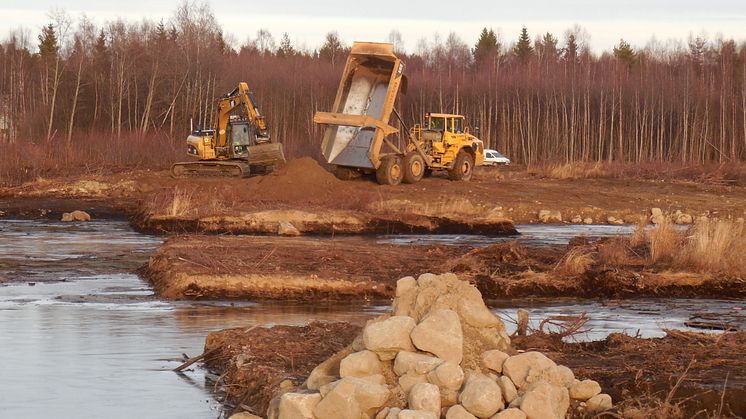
[390, 171]
[414, 168]
[463, 166]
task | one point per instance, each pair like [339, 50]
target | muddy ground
[313, 196]
[307, 269]
[641, 375]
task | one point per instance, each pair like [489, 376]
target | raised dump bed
[359, 120]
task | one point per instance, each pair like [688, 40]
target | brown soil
[256, 364]
[642, 373]
[304, 185]
[639, 374]
[213, 267]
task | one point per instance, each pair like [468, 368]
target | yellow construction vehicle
[237, 145]
[358, 135]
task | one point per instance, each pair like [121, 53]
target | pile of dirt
[258, 362]
[643, 373]
[304, 180]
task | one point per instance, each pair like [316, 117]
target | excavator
[239, 143]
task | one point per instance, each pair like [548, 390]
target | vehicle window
[490, 156]
[437, 124]
[459, 125]
[449, 123]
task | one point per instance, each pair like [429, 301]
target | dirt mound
[305, 180]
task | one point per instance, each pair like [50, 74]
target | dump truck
[358, 138]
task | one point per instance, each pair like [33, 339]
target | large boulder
[388, 336]
[351, 397]
[76, 215]
[409, 380]
[447, 376]
[412, 362]
[360, 364]
[507, 388]
[543, 400]
[531, 367]
[298, 405]
[417, 414]
[584, 390]
[440, 334]
[511, 413]
[406, 293]
[494, 360]
[245, 415]
[425, 396]
[549, 216]
[598, 403]
[458, 412]
[481, 396]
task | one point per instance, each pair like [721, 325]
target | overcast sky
[307, 21]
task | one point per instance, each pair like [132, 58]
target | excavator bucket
[359, 120]
[268, 154]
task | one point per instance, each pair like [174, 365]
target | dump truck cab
[448, 134]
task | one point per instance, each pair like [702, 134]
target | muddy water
[82, 336]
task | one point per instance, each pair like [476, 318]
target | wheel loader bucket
[359, 119]
[268, 154]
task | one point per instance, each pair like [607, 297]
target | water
[531, 234]
[89, 338]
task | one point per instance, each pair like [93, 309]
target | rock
[440, 334]
[360, 364]
[458, 412]
[599, 403]
[656, 216]
[567, 377]
[584, 390]
[588, 220]
[530, 367]
[411, 362]
[425, 396]
[577, 219]
[298, 405]
[682, 219]
[406, 293]
[547, 216]
[76, 216]
[448, 376]
[286, 228]
[409, 380]
[391, 413]
[416, 414]
[389, 336]
[494, 360]
[351, 397]
[614, 221]
[522, 320]
[545, 401]
[481, 396]
[245, 415]
[511, 413]
[327, 371]
[507, 388]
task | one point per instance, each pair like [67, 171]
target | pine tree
[286, 48]
[571, 51]
[487, 47]
[523, 49]
[332, 48]
[48, 47]
[625, 53]
[546, 47]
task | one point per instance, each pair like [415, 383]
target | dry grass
[577, 261]
[579, 170]
[715, 246]
[438, 208]
[664, 241]
[181, 203]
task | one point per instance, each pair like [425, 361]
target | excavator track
[211, 168]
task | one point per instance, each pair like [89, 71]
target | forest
[76, 95]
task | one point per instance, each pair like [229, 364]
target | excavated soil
[258, 363]
[218, 267]
[641, 375]
[236, 267]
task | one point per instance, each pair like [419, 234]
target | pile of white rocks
[441, 353]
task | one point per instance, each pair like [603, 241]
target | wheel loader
[358, 135]
[238, 144]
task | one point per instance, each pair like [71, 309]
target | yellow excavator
[237, 145]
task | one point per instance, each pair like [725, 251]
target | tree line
[537, 99]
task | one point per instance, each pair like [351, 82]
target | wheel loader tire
[463, 166]
[414, 168]
[345, 173]
[390, 171]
